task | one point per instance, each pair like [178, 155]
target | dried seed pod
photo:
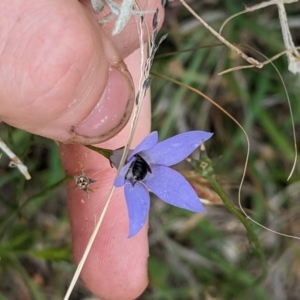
[82, 181]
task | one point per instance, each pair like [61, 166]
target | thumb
[60, 76]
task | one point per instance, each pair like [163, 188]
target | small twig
[292, 55]
[266, 62]
[291, 51]
[251, 60]
[15, 160]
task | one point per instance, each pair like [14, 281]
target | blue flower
[147, 169]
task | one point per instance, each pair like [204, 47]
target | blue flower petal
[138, 204]
[120, 179]
[173, 188]
[147, 143]
[175, 149]
[116, 156]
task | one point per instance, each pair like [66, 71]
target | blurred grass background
[192, 257]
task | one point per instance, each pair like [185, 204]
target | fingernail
[112, 110]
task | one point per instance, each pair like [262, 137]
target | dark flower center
[138, 170]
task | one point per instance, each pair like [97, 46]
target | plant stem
[204, 168]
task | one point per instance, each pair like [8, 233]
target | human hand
[56, 62]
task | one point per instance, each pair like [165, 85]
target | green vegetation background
[191, 256]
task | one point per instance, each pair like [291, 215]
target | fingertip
[116, 267]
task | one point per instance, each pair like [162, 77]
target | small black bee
[138, 170]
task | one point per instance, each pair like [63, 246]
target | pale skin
[56, 63]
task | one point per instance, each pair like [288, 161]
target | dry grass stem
[252, 61]
[15, 160]
[291, 51]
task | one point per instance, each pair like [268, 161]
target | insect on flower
[138, 170]
[147, 169]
